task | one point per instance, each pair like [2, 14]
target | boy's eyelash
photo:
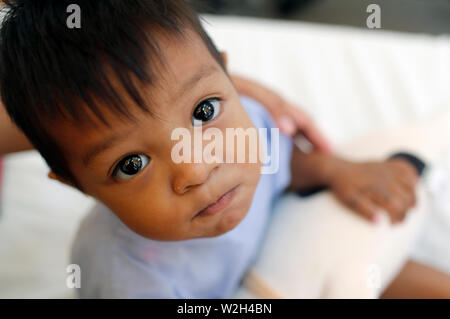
[207, 99]
[115, 166]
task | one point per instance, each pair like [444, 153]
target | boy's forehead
[186, 62]
[183, 63]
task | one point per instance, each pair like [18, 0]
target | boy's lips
[221, 203]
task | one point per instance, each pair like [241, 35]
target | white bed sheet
[351, 81]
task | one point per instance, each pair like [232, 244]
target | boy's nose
[188, 175]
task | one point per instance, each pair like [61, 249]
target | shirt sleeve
[279, 145]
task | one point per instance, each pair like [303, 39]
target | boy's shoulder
[279, 146]
[114, 260]
[257, 112]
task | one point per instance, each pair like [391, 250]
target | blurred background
[429, 16]
[352, 81]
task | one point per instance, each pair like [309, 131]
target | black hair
[48, 69]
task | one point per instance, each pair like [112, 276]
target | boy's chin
[229, 221]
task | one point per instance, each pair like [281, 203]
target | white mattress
[351, 81]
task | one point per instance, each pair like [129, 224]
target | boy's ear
[58, 178]
[224, 58]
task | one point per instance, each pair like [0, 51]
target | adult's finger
[363, 205]
[286, 124]
[394, 199]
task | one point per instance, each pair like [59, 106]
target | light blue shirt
[115, 262]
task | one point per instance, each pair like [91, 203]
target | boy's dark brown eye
[206, 111]
[130, 166]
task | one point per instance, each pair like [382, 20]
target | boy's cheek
[151, 220]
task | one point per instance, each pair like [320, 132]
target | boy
[101, 103]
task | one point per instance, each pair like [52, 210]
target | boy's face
[135, 176]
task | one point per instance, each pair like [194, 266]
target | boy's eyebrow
[204, 71]
[102, 146]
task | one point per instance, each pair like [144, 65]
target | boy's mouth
[221, 203]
